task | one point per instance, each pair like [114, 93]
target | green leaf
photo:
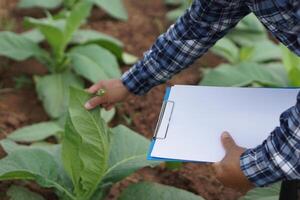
[46, 4]
[113, 7]
[85, 146]
[155, 191]
[245, 74]
[266, 193]
[124, 160]
[106, 41]
[129, 59]
[18, 47]
[34, 35]
[292, 65]
[226, 49]
[94, 63]
[108, 115]
[265, 51]
[53, 31]
[54, 150]
[248, 31]
[32, 164]
[53, 91]
[18, 192]
[77, 15]
[35, 132]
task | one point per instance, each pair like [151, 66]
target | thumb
[227, 141]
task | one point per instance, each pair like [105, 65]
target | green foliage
[86, 145]
[88, 156]
[35, 132]
[292, 65]
[246, 74]
[53, 91]
[155, 191]
[123, 160]
[32, 164]
[182, 6]
[266, 193]
[46, 4]
[59, 32]
[18, 47]
[19, 192]
[115, 8]
[88, 62]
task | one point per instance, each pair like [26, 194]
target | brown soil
[146, 21]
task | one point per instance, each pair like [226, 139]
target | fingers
[227, 141]
[95, 101]
[108, 106]
[94, 88]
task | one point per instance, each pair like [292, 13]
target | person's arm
[278, 157]
[205, 22]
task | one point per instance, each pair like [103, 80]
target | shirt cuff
[257, 167]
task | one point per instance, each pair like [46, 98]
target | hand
[115, 92]
[228, 170]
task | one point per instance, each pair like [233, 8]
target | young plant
[90, 159]
[114, 8]
[73, 52]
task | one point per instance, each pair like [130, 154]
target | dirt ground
[20, 107]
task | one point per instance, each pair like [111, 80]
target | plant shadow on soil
[146, 21]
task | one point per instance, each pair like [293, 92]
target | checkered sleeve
[278, 157]
[191, 36]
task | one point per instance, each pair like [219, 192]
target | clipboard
[170, 112]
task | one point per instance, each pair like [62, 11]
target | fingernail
[88, 105]
[225, 135]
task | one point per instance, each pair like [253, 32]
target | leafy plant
[90, 159]
[72, 53]
[267, 193]
[153, 191]
[113, 7]
[181, 5]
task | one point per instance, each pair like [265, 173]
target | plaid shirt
[204, 23]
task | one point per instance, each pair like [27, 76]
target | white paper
[200, 114]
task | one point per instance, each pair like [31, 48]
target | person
[205, 22]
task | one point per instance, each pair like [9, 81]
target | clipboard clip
[164, 119]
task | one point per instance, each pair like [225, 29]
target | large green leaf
[32, 164]
[85, 146]
[35, 132]
[77, 15]
[54, 150]
[266, 193]
[226, 49]
[123, 160]
[292, 65]
[18, 192]
[246, 74]
[47, 4]
[34, 35]
[106, 41]
[53, 31]
[18, 47]
[248, 31]
[155, 191]
[114, 7]
[53, 90]
[262, 52]
[94, 63]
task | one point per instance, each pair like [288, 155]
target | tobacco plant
[91, 158]
[72, 54]
[114, 8]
